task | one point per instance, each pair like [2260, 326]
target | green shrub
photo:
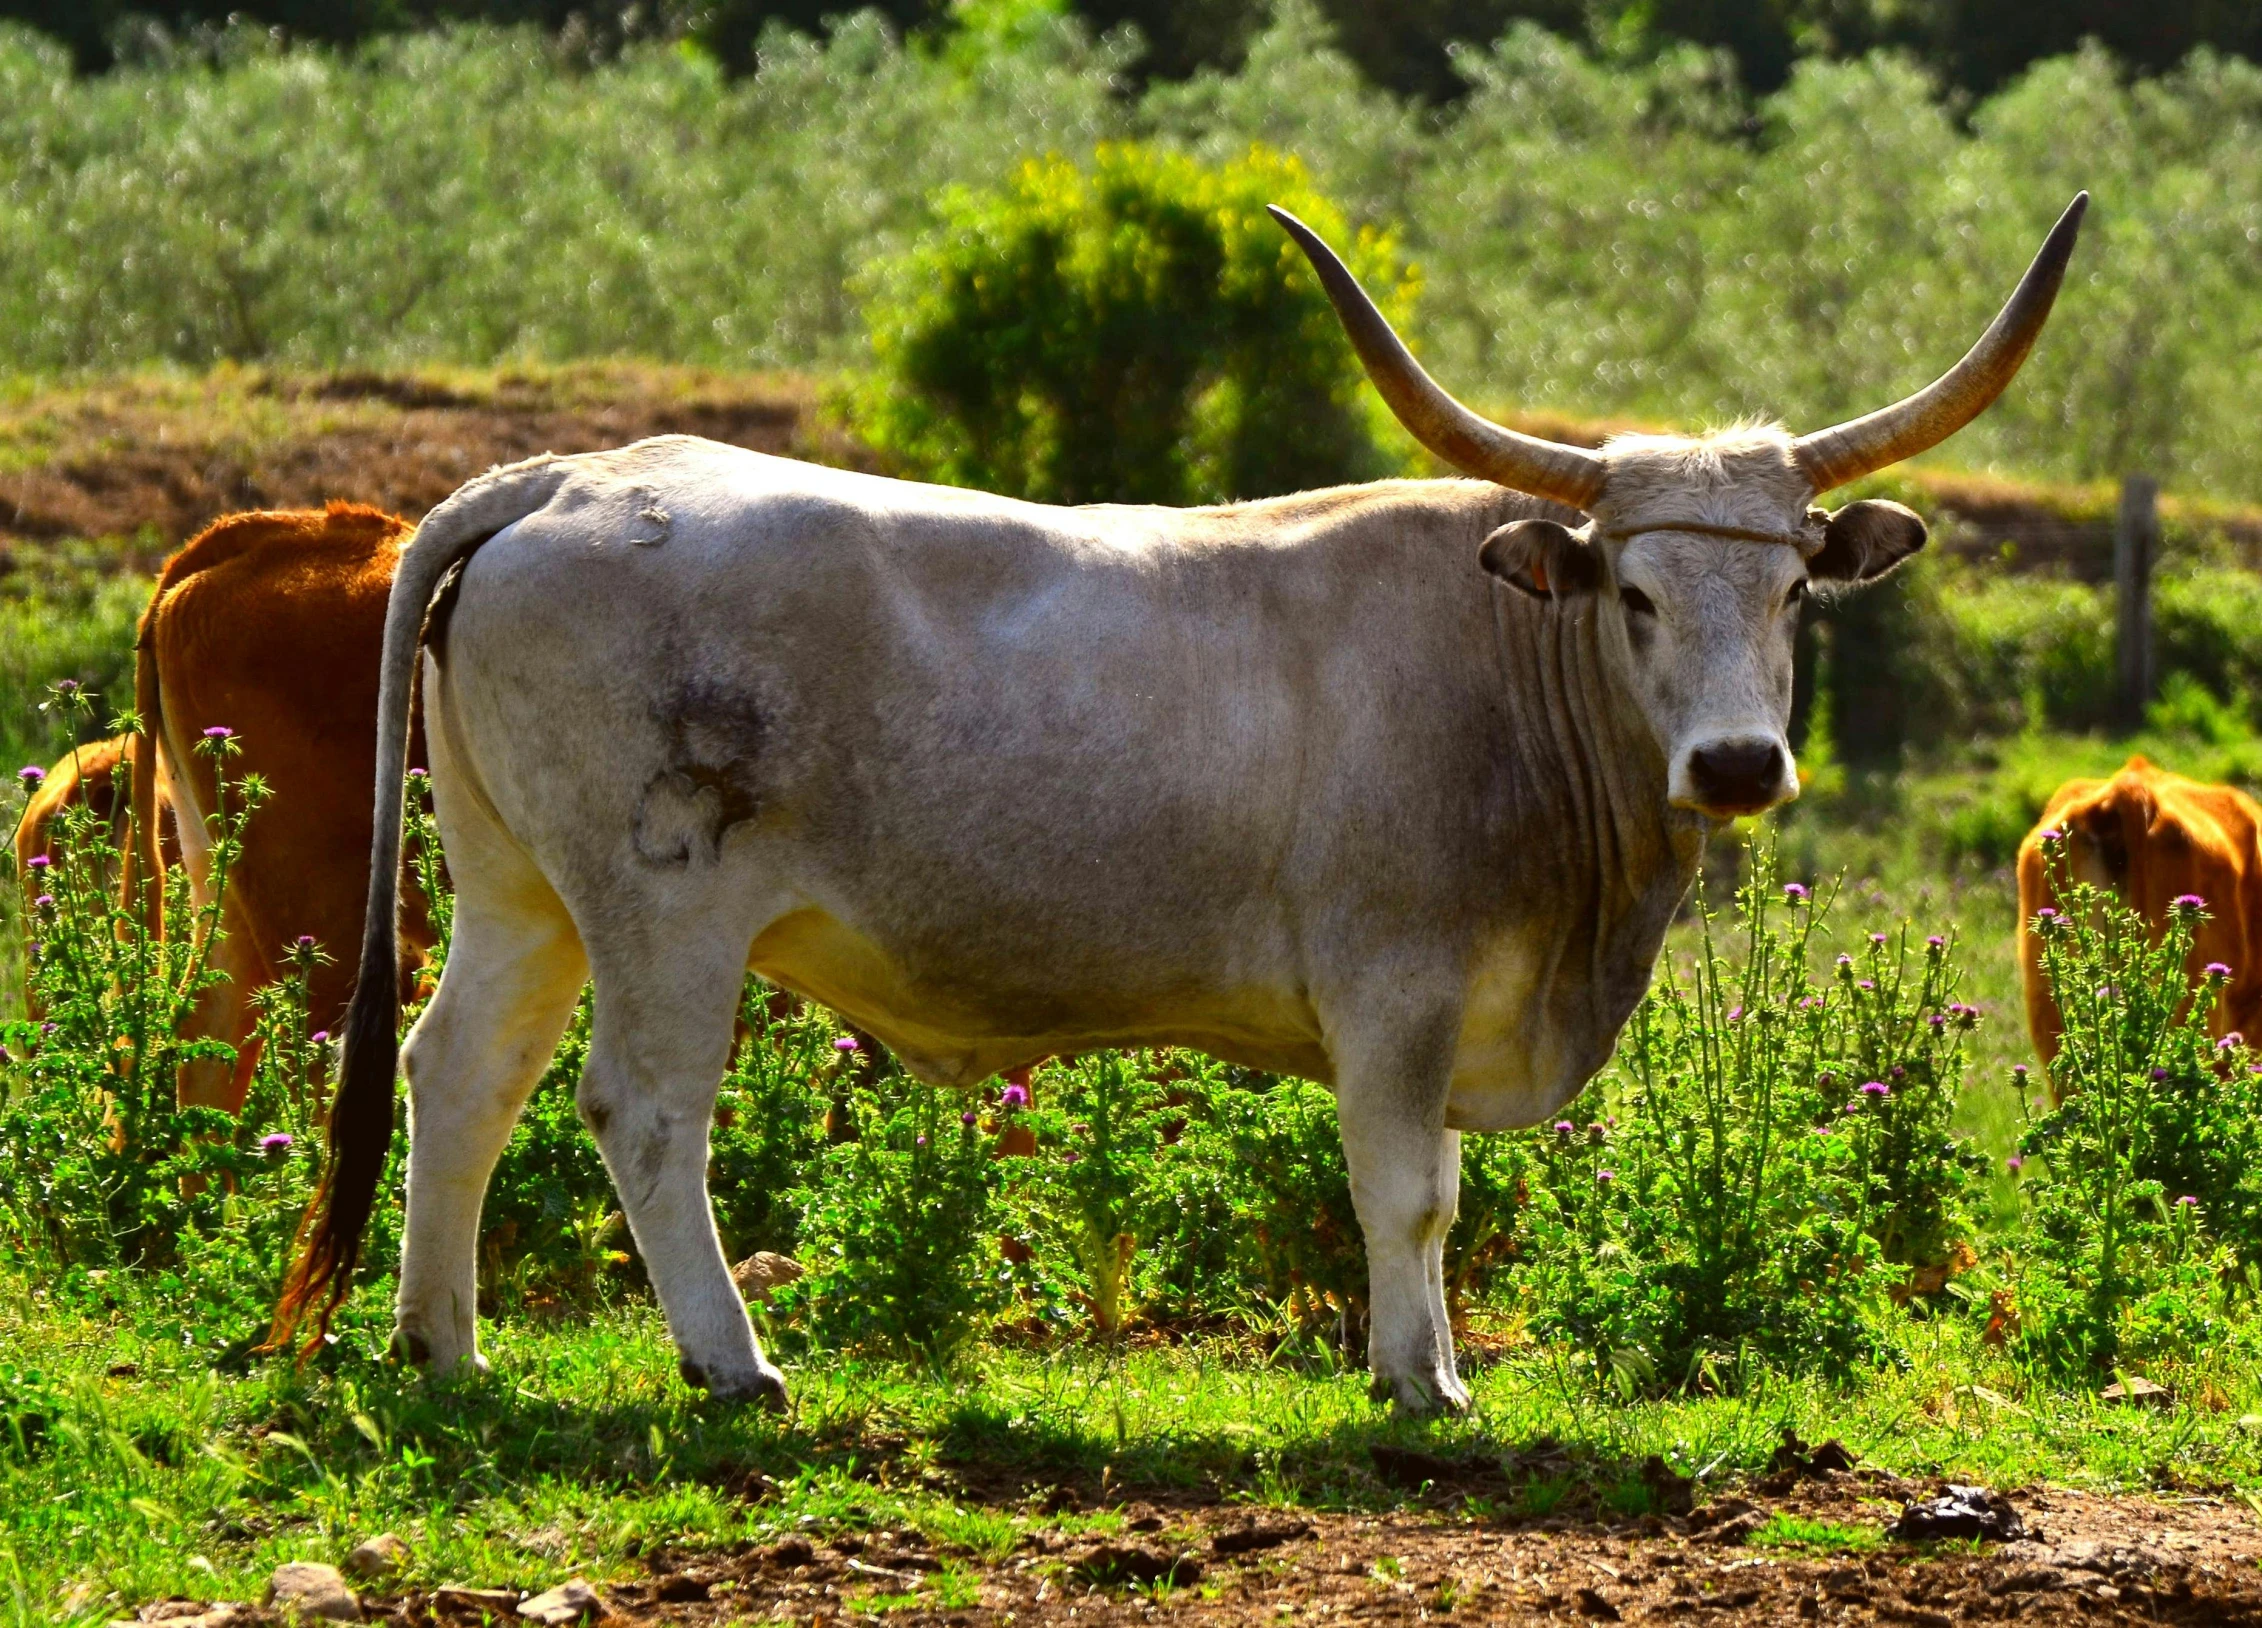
[106, 1170]
[2144, 1185]
[900, 1227]
[1134, 332]
[1776, 1142]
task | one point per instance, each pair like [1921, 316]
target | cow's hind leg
[659, 1039]
[1405, 1183]
[515, 967]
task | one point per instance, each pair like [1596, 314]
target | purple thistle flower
[1937, 1021]
[279, 1142]
[1594, 1133]
[1864, 983]
[966, 1118]
[2019, 1069]
[1935, 942]
[306, 941]
[2159, 1074]
[2051, 833]
[922, 1141]
[1735, 1014]
[46, 901]
[1563, 1130]
[219, 732]
[1876, 1090]
[31, 774]
[2014, 1164]
[318, 1037]
[1877, 938]
[1071, 1157]
[2046, 913]
[2216, 969]
[846, 1042]
[2231, 1041]
[1826, 1077]
[2187, 1202]
[1900, 1073]
[1015, 1097]
[1796, 892]
[2187, 901]
[1603, 1178]
[40, 862]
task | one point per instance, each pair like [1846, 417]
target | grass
[157, 1475]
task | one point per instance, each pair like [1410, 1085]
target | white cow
[1395, 787]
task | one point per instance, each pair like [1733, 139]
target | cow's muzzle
[1741, 775]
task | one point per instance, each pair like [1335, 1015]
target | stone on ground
[573, 1601]
[378, 1558]
[307, 1589]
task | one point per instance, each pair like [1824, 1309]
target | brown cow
[2150, 837]
[269, 624]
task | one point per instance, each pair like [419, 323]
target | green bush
[1139, 332]
[2145, 1182]
[1764, 1147]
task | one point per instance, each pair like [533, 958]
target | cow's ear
[1541, 558]
[1864, 540]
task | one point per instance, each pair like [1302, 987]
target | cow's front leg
[1405, 1182]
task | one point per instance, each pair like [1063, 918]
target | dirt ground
[162, 457]
[2176, 1559]
[156, 457]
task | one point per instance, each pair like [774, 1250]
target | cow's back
[1139, 771]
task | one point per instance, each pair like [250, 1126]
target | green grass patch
[1788, 1531]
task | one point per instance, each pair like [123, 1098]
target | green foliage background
[1631, 237]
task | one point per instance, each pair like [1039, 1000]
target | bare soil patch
[2177, 1559]
[157, 458]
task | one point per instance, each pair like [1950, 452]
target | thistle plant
[105, 1163]
[2144, 1182]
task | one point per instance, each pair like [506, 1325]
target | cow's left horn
[1467, 441]
[1851, 450]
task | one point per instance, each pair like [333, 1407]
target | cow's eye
[1797, 595]
[1635, 601]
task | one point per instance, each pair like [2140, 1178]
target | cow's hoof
[415, 1349]
[765, 1387]
[1421, 1394]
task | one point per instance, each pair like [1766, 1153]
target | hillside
[143, 461]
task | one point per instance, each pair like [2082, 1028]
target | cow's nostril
[1737, 774]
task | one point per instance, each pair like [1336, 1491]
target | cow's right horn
[1851, 450]
[1467, 441]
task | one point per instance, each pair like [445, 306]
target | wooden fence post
[2136, 541]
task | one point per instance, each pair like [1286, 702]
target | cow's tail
[141, 880]
[361, 1110]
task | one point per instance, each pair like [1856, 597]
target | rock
[1591, 1604]
[1249, 1539]
[1730, 1533]
[464, 1598]
[759, 1273]
[306, 1588]
[2137, 1391]
[680, 1587]
[573, 1601]
[1959, 1512]
[789, 1552]
[1795, 1457]
[377, 1559]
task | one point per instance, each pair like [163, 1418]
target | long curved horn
[1848, 451]
[1470, 443]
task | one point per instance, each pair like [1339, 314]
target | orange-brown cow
[270, 625]
[2150, 837]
